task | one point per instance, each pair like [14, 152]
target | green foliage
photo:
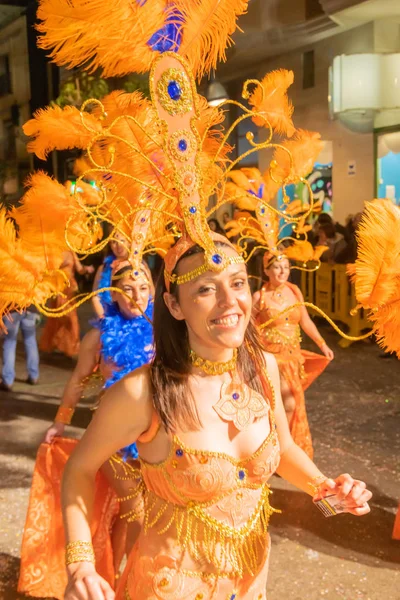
[80, 87]
[136, 83]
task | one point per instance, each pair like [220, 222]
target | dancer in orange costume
[62, 334]
[298, 368]
[207, 508]
[207, 414]
[120, 342]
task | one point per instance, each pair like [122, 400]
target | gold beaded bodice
[284, 331]
[214, 506]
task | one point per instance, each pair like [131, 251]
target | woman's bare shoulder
[138, 383]
[131, 396]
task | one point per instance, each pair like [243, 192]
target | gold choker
[214, 368]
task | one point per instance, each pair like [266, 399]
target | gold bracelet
[64, 415]
[320, 342]
[316, 482]
[79, 552]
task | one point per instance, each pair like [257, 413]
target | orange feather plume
[245, 186]
[386, 324]
[377, 268]
[297, 160]
[96, 34]
[207, 29]
[115, 36]
[56, 128]
[302, 251]
[24, 275]
[43, 228]
[140, 153]
[270, 98]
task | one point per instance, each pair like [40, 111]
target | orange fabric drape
[42, 572]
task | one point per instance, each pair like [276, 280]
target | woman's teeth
[227, 321]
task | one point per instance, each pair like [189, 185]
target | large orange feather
[56, 128]
[24, 276]
[377, 269]
[96, 34]
[207, 29]
[270, 98]
[303, 148]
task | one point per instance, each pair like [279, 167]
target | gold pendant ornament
[240, 404]
[214, 368]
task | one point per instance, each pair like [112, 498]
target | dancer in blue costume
[118, 251]
[119, 343]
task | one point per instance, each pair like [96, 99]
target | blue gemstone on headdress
[193, 210]
[233, 597]
[179, 452]
[241, 474]
[136, 273]
[236, 396]
[136, 252]
[262, 210]
[143, 220]
[174, 90]
[182, 145]
[217, 259]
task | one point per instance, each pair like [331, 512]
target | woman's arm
[311, 330]
[96, 302]
[298, 469]
[87, 361]
[124, 413]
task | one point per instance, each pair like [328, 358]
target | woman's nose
[227, 297]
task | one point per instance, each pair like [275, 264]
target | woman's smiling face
[216, 306]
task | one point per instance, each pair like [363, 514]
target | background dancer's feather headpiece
[155, 163]
[252, 192]
[376, 272]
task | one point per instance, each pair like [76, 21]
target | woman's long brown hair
[171, 366]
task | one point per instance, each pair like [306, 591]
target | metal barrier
[331, 290]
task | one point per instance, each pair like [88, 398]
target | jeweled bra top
[216, 506]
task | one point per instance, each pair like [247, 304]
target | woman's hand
[352, 492]
[326, 351]
[84, 583]
[56, 430]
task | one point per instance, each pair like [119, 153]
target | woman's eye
[239, 283]
[205, 289]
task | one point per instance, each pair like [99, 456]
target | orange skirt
[299, 368]
[43, 572]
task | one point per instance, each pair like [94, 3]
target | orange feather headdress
[252, 191]
[155, 163]
[376, 273]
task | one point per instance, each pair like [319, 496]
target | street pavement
[354, 413]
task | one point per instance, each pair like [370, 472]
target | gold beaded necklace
[214, 368]
[238, 403]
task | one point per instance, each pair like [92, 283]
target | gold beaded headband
[184, 245]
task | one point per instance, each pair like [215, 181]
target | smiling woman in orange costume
[206, 518]
[298, 368]
[207, 413]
